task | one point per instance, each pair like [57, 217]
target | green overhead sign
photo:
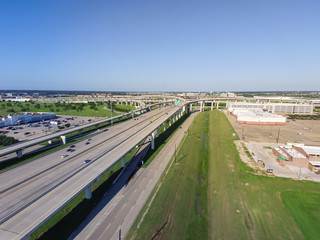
[176, 102]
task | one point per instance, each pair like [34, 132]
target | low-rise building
[257, 116]
[16, 119]
[297, 155]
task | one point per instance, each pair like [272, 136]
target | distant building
[16, 119]
[228, 94]
[256, 116]
[274, 107]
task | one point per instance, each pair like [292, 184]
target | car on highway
[26, 133]
[69, 149]
[72, 146]
[64, 155]
[88, 139]
[87, 143]
[86, 161]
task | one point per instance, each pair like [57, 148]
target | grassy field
[72, 109]
[212, 194]
[179, 208]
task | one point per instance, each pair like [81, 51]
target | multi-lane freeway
[33, 192]
[19, 147]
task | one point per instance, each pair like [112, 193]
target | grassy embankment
[179, 209]
[212, 194]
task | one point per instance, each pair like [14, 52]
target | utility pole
[175, 153]
[278, 135]
[111, 108]
[243, 133]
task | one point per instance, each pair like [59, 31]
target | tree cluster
[6, 141]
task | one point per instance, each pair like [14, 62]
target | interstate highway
[25, 144]
[33, 192]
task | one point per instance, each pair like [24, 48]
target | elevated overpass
[19, 147]
[34, 194]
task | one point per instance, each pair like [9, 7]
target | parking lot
[37, 129]
[295, 131]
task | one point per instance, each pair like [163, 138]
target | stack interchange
[256, 116]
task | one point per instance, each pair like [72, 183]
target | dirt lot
[309, 132]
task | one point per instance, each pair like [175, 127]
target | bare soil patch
[244, 157]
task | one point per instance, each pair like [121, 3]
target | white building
[274, 107]
[257, 116]
[17, 119]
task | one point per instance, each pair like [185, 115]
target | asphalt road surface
[30, 194]
[120, 211]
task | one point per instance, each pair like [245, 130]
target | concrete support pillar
[20, 153]
[27, 237]
[97, 179]
[64, 139]
[176, 115]
[218, 105]
[190, 108]
[170, 121]
[211, 105]
[152, 140]
[165, 126]
[88, 192]
[123, 161]
[158, 131]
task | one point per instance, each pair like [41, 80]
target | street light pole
[278, 135]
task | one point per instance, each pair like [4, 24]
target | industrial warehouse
[16, 119]
[288, 108]
[256, 116]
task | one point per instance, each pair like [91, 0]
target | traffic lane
[24, 194]
[29, 143]
[18, 197]
[125, 206]
[37, 212]
[115, 193]
[10, 178]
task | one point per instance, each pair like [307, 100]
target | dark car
[15, 132]
[87, 143]
[72, 146]
[86, 161]
[26, 133]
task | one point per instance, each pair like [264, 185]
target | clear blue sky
[160, 45]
